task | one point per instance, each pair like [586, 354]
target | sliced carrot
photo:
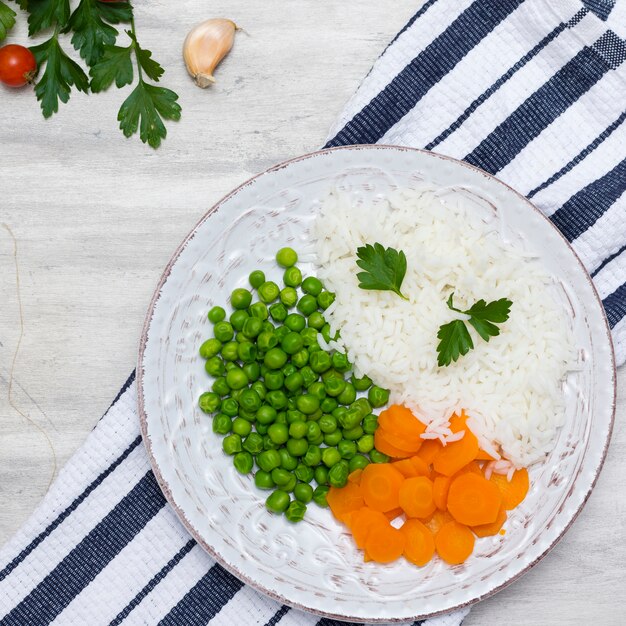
[421, 466]
[391, 515]
[486, 530]
[362, 522]
[380, 486]
[384, 544]
[426, 520]
[471, 468]
[458, 422]
[355, 476]
[513, 491]
[473, 500]
[400, 421]
[429, 450]
[454, 542]
[451, 458]
[416, 497]
[382, 445]
[419, 543]
[437, 520]
[344, 500]
[401, 441]
[406, 468]
[483, 456]
[441, 485]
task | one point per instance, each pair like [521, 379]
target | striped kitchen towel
[530, 90]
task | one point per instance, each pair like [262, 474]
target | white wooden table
[97, 217]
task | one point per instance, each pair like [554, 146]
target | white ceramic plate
[314, 565]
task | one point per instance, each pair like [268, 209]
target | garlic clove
[205, 46]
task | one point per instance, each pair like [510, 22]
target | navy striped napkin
[530, 90]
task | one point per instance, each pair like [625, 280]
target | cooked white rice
[511, 386]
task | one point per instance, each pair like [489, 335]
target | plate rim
[164, 486]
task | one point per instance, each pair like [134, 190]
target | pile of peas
[283, 403]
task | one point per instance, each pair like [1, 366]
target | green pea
[361, 384]
[274, 380]
[295, 511]
[220, 386]
[340, 362]
[378, 457]
[300, 358]
[210, 348]
[288, 297]
[327, 423]
[253, 443]
[319, 496]
[287, 461]
[328, 405]
[278, 501]
[268, 444]
[268, 291]
[209, 402]
[365, 443]
[330, 456]
[281, 332]
[332, 439]
[316, 320]
[294, 381]
[312, 347]
[223, 331]
[249, 416]
[215, 366]
[259, 387]
[241, 427]
[246, 351]
[216, 314]
[358, 461]
[312, 286]
[286, 257]
[297, 447]
[363, 406]
[293, 415]
[307, 403]
[222, 424]
[307, 305]
[236, 378]
[266, 340]
[281, 417]
[347, 448]
[277, 399]
[314, 432]
[317, 389]
[308, 375]
[350, 419]
[278, 312]
[378, 396]
[298, 430]
[290, 484]
[230, 407]
[339, 412]
[256, 278]
[250, 400]
[240, 298]
[231, 444]
[268, 460]
[334, 386]
[348, 395]
[320, 362]
[326, 333]
[325, 299]
[303, 492]
[252, 327]
[292, 343]
[243, 462]
[313, 456]
[278, 433]
[230, 351]
[353, 433]
[304, 473]
[369, 424]
[321, 475]
[275, 359]
[266, 414]
[295, 322]
[258, 310]
[280, 476]
[252, 371]
[292, 277]
[263, 480]
[338, 474]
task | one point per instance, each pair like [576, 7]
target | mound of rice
[510, 386]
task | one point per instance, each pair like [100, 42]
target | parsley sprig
[7, 19]
[385, 268]
[93, 36]
[455, 339]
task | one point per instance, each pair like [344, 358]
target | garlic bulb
[205, 46]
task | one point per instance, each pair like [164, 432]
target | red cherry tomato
[17, 65]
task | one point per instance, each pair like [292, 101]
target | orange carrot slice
[355, 476]
[513, 491]
[441, 485]
[419, 543]
[421, 466]
[486, 530]
[454, 543]
[380, 486]
[400, 421]
[384, 544]
[401, 441]
[437, 520]
[406, 468]
[344, 500]
[382, 445]
[451, 458]
[363, 521]
[429, 450]
[473, 500]
[391, 515]
[471, 468]
[483, 456]
[416, 497]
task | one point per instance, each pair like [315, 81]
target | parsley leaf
[58, 77]
[23, 4]
[47, 13]
[115, 65]
[384, 268]
[91, 32]
[144, 57]
[7, 20]
[455, 340]
[144, 108]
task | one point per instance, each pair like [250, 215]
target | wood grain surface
[97, 216]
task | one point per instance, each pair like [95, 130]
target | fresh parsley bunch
[92, 26]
